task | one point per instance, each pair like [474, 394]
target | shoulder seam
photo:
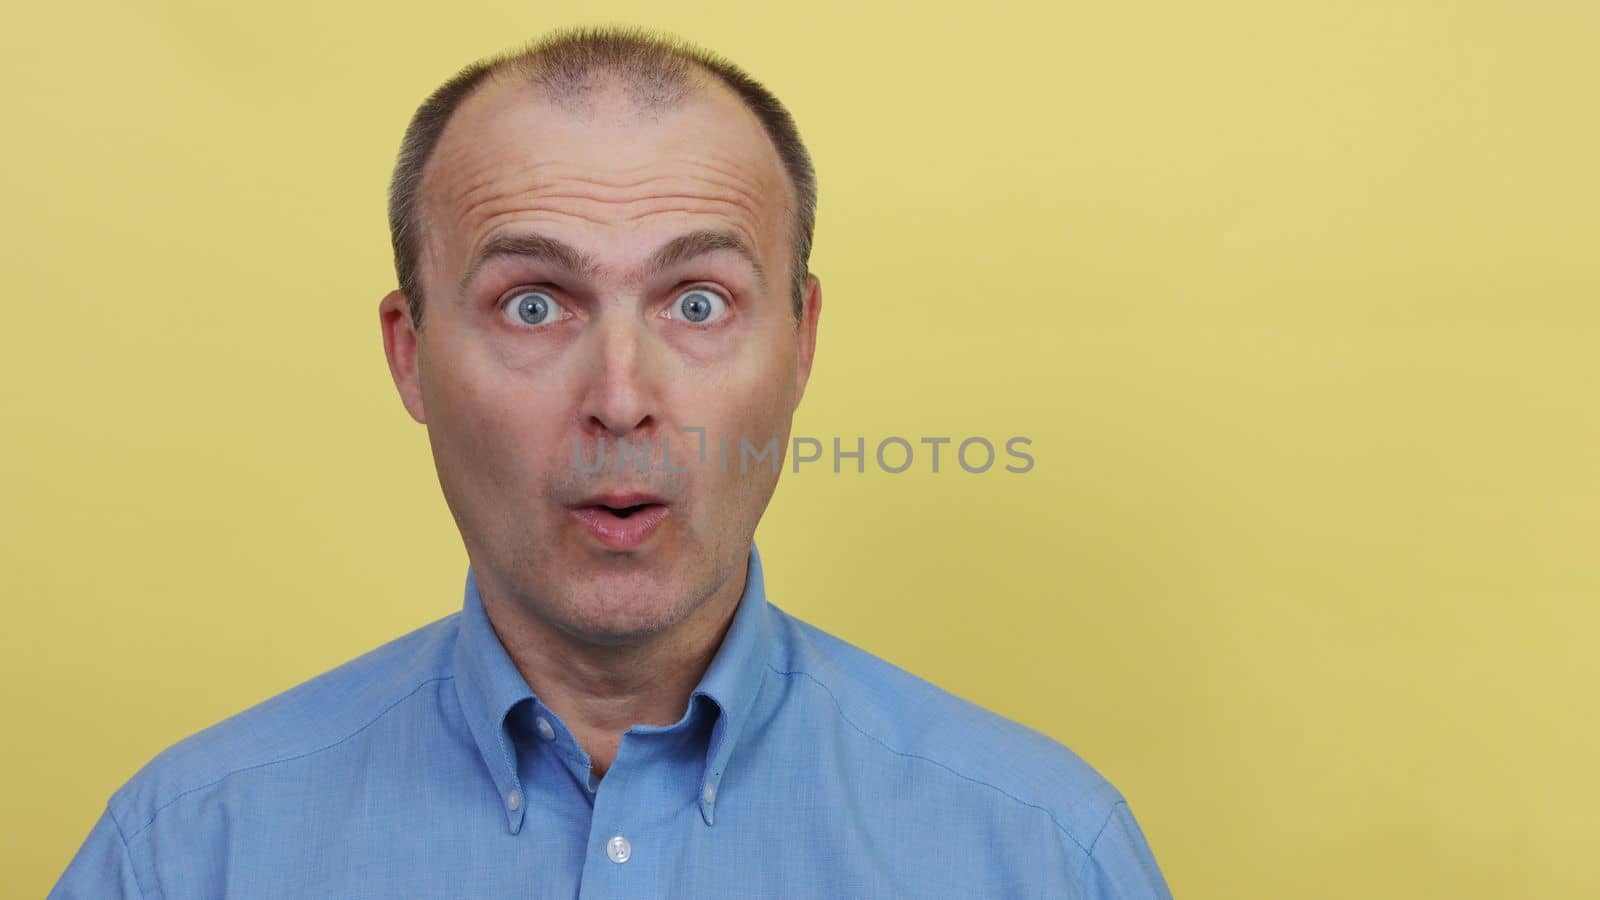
[1106, 824]
[1002, 791]
[1088, 859]
[272, 762]
[125, 851]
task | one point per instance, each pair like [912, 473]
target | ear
[400, 343]
[811, 310]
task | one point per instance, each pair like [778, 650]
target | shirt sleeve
[102, 867]
[1120, 865]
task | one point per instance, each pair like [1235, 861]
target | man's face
[530, 361]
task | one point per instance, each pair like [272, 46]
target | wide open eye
[530, 307]
[699, 305]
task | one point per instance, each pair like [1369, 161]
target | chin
[602, 597]
[615, 609]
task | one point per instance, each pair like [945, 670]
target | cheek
[743, 409]
[502, 426]
[742, 396]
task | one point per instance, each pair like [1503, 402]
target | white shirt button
[617, 848]
[546, 730]
[710, 793]
[514, 801]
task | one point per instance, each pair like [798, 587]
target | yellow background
[1296, 302]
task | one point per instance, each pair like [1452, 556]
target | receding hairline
[655, 71]
[602, 87]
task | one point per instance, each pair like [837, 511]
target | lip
[617, 532]
[619, 499]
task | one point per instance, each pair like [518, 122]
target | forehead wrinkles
[479, 185]
[602, 196]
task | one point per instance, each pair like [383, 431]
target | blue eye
[700, 305]
[533, 307]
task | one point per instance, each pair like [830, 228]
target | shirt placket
[631, 832]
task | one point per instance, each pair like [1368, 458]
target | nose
[621, 387]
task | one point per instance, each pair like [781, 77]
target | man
[601, 246]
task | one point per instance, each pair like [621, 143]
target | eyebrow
[523, 245]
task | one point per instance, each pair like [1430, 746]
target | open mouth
[622, 521]
[623, 512]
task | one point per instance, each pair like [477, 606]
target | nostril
[619, 426]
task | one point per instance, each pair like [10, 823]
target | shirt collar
[489, 685]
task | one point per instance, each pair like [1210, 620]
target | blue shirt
[803, 767]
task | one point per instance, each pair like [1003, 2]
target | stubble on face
[505, 405]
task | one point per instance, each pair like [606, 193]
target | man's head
[602, 239]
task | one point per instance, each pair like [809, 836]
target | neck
[602, 690]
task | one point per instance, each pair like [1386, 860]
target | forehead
[605, 167]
